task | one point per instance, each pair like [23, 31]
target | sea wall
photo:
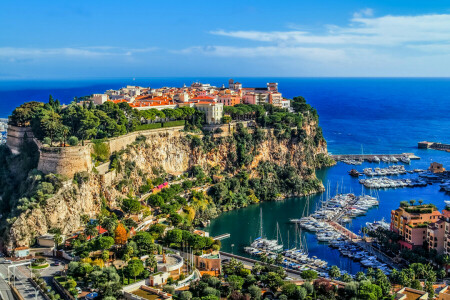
[65, 160]
[17, 136]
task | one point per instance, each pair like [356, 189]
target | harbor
[244, 223]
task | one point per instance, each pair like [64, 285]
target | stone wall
[65, 160]
[17, 136]
[121, 142]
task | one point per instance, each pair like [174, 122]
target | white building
[99, 99]
[213, 111]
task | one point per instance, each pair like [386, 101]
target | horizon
[380, 39]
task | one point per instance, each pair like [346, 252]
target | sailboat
[263, 244]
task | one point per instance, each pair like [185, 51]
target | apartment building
[411, 223]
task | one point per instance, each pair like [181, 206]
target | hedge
[159, 125]
[174, 123]
[148, 126]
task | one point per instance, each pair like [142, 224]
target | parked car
[57, 263]
[79, 290]
[7, 261]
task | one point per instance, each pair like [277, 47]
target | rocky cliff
[170, 151]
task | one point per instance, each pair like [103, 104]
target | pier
[344, 231]
[369, 157]
[433, 145]
[221, 237]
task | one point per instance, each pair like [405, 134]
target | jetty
[221, 237]
[433, 145]
[370, 157]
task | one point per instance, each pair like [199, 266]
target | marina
[358, 159]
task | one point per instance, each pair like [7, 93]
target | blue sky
[88, 39]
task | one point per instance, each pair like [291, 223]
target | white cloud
[362, 30]
[85, 52]
[366, 12]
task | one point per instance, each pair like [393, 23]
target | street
[25, 288]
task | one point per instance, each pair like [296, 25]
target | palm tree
[91, 230]
[412, 202]
[57, 239]
[420, 201]
[151, 262]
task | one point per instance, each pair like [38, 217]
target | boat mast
[260, 223]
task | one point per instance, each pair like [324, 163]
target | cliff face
[171, 151]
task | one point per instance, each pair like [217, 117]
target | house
[46, 240]
[444, 294]
[208, 262]
[21, 252]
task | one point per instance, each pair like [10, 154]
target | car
[57, 263]
[79, 290]
[7, 261]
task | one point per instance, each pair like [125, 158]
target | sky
[147, 38]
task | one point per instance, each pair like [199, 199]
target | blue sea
[370, 115]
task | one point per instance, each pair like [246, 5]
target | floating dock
[369, 157]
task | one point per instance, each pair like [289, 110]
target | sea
[357, 115]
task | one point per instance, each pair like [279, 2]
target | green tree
[273, 281]
[309, 275]
[334, 272]
[134, 268]
[131, 206]
[235, 282]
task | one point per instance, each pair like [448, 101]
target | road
[248, 262]
[23, 285]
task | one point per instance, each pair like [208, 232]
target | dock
[221, 237]
[369, 157]
[434, 146]
[344, 231]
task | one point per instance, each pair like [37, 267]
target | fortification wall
[65, 160]
[17, 136]
[121, 142]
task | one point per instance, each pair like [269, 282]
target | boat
[354, 173]
[405, 159]
[376, 159]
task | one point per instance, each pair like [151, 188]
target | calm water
[370, 115]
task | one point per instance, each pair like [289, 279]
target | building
[21, 252]
[411, 294]
[286, 103]
[208, 262]
[213, 111]
[229, 99]
[99, 99]
[46, 240]
[411, 223]
[446, 218]
[436, 235]
[436, 168]
[275, 99]
[444, 294]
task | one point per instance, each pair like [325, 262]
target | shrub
[101, 151]
[46, 141]
[73, 141]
